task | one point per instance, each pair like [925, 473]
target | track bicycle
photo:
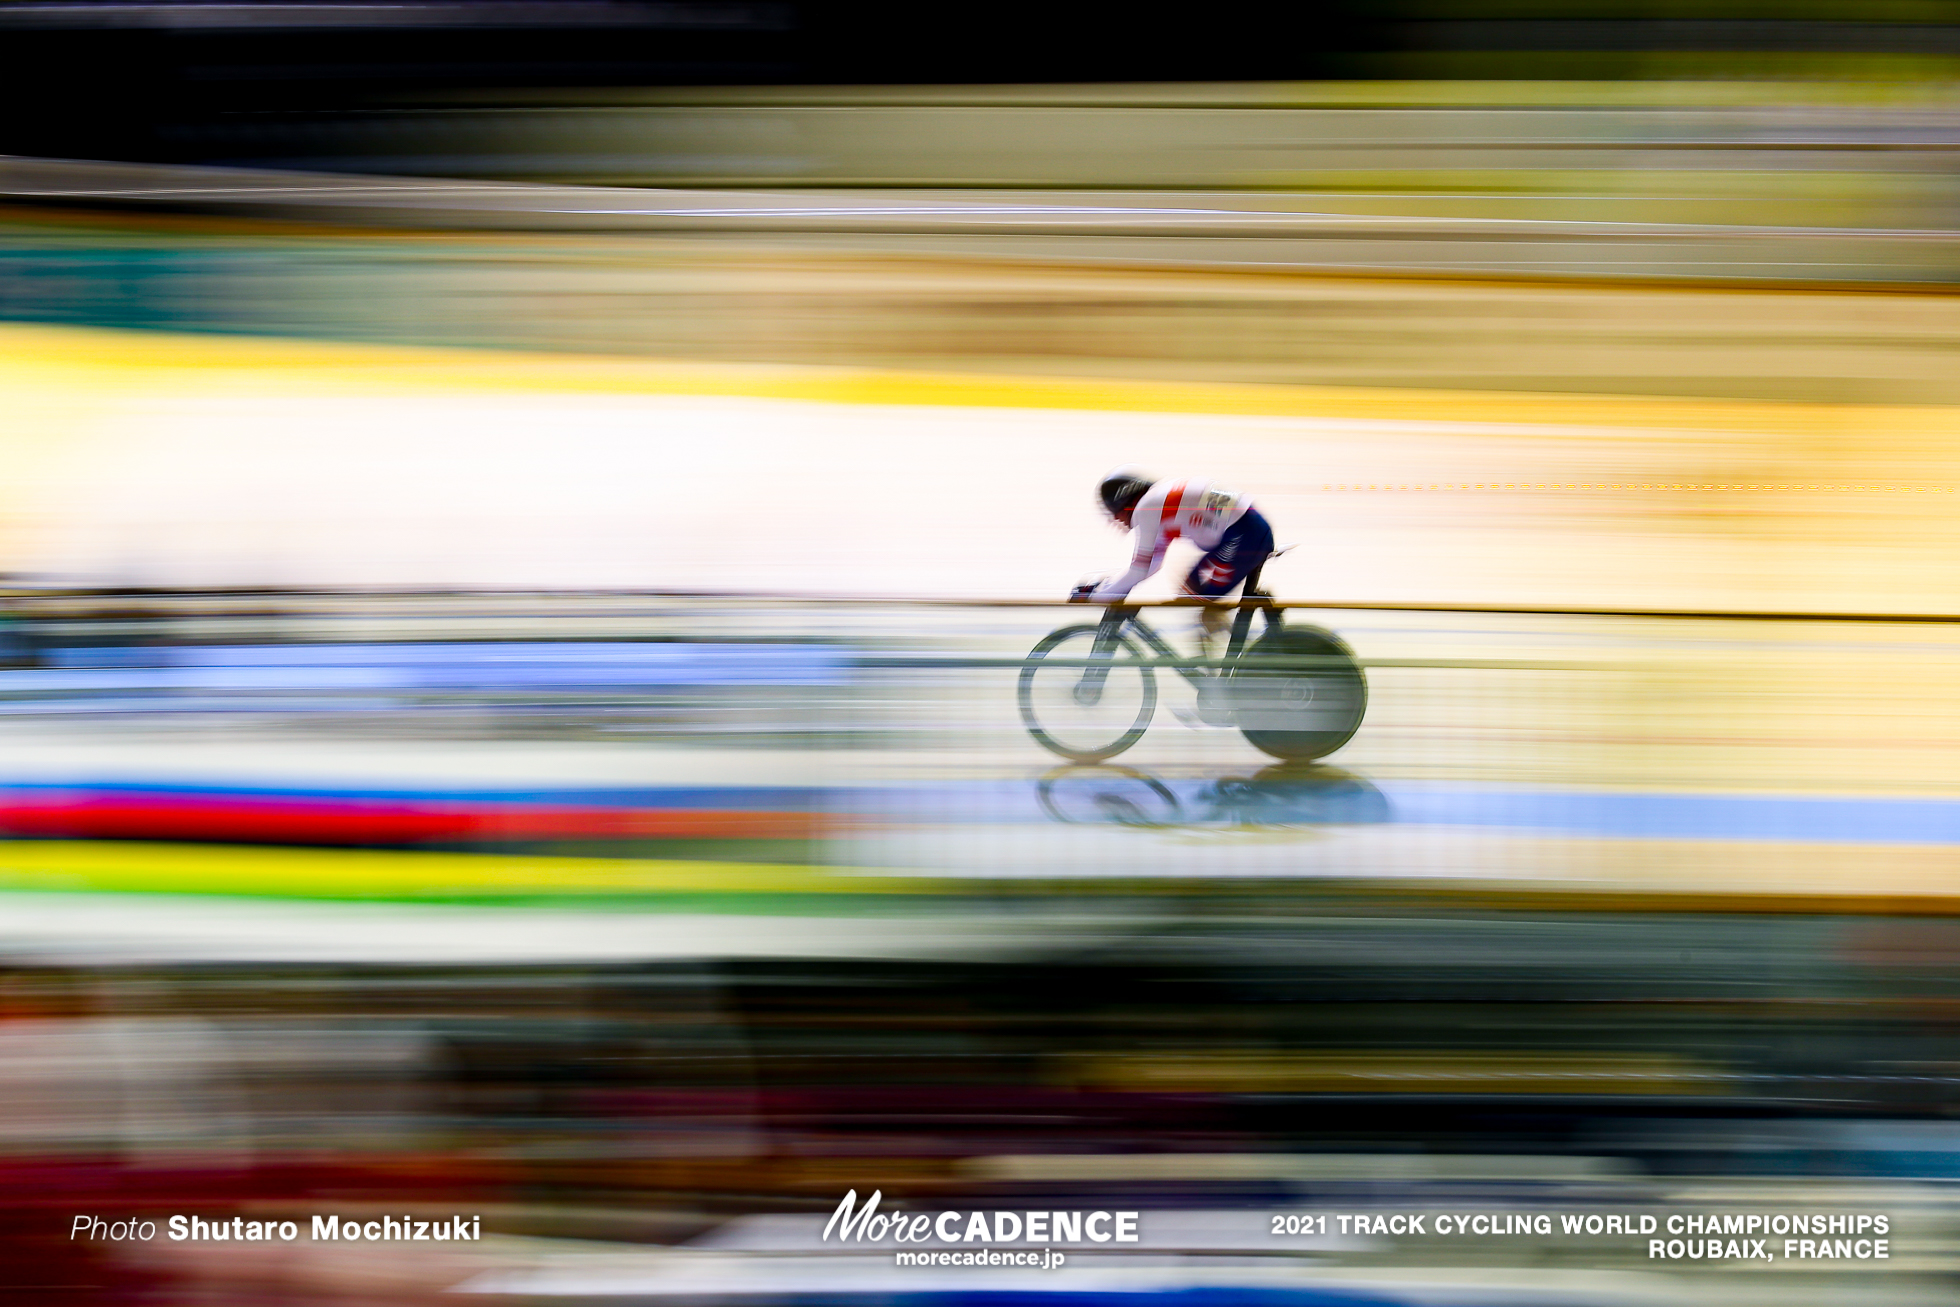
[1087, 692]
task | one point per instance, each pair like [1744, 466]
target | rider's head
[1120, 491]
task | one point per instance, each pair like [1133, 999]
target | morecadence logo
[861, 1225]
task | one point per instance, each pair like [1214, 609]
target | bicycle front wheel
[1083, 704]
[1117, 796]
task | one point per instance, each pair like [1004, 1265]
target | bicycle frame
[1117, 618]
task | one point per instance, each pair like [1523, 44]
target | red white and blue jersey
[1198, 511]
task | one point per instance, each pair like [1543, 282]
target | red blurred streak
[299, 821]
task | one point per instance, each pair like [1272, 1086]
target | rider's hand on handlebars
[1087, 586]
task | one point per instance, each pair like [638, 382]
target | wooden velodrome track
[1489, 504]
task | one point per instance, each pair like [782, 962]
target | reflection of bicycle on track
[1284, 794]
[1087, 692]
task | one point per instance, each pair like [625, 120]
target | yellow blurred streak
[1566, 874]
[133, 867]
[1413, 1073]
[1842, 192]
[1464, 93]
[104, 363]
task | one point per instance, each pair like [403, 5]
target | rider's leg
[1243, 548]
[1213, 621]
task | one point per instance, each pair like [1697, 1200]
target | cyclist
[1234, 536]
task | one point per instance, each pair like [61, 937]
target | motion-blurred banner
[813, 652]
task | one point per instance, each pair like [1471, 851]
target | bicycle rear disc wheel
[1301, 711]
[1086, 713]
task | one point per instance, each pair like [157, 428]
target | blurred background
[519, 521]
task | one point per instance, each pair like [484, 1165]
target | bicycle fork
[1109, 636]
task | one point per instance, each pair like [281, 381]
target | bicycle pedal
[1191, 718]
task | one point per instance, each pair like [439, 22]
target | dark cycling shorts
[1246, 544]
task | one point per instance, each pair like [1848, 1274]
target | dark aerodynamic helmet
[1121, 489]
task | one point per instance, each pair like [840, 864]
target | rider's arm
[1147, 529]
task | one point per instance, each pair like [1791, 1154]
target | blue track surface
[1349, 800]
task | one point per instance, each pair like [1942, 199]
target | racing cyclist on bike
[1234, 536]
